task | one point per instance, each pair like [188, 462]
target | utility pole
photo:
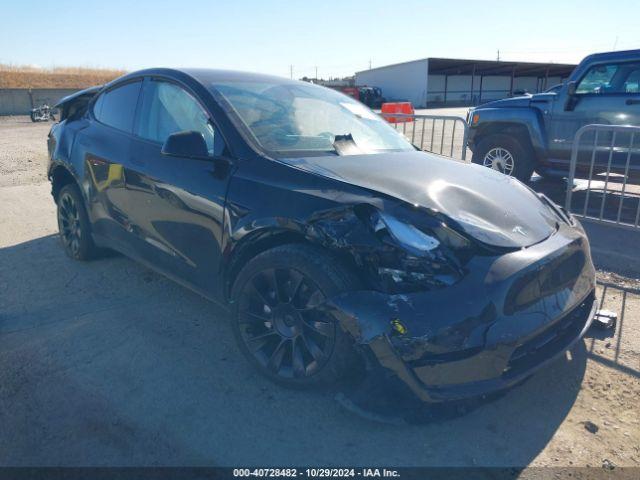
[316, 72]
[369, 64]
[291, 71]
[498, 55]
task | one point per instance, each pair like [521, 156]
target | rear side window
[117, 107]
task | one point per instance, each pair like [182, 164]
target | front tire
[73, 224]
[505, 154]
[277, 325]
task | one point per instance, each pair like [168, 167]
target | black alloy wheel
[73, 224]
[278, 324]
[69, 223]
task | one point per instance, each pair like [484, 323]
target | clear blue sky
[339, 37]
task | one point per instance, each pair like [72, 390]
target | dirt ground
[108, 363]
[23, 151]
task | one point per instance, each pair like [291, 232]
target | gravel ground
[23, 151]
[108, 363]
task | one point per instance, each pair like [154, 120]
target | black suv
[332, 241]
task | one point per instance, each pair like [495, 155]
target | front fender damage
[384, 265]
[509, 316]
[388, 329]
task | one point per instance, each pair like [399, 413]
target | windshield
[289, 119]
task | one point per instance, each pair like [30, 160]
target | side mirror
[186, 144]
[570, 102]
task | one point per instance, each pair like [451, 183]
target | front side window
[117, 107]
[610, 79]
[289, 119]
[167, 109]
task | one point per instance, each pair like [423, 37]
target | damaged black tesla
[328, 234]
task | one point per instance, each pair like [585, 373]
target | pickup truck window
[610, 79]
[632, 84]
[597, 79]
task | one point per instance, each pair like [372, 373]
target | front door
[179, 211]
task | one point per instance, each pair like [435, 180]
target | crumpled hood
[491, 207]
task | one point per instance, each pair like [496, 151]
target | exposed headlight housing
[417, 241]
[421, 257]
[406, 235]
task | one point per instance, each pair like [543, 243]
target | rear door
[607, 94]
[178, 212]
[104, 147]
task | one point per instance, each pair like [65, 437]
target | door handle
[632, 101]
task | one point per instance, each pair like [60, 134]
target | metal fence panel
[603, 182]
[442, 134]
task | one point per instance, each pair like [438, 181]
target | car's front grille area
[551, 341]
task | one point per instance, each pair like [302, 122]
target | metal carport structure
[436, 82]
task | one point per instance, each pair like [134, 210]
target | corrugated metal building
[437, 82]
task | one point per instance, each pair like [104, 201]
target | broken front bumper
[510, 315]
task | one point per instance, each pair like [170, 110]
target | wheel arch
[266, 238]
[517, 130]
[525, 124]
[60, 176]
[253, 244]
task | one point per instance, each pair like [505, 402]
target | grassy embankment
[20, 76]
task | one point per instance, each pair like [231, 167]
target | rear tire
[275, 321]
[74, 225]
[505, 154]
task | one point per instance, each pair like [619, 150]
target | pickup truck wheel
[506, 155]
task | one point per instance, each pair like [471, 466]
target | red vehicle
[351, 91]
[370, 96]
